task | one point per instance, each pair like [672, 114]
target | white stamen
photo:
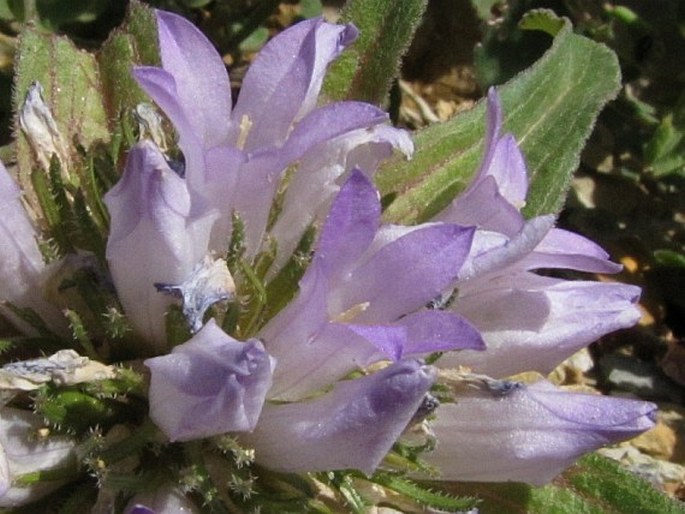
[245, 127]
[351, 313]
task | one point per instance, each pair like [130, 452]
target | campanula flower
[23, 451]
[345, 318]
[153, 238]
[235, 158]
[22, 269]
[529, 322]
[369, 300]
[317, 339]
[210, 385]
[528, 434]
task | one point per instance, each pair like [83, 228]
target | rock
[673, 363]
[574, 369]
[639, 377]
[659, 442]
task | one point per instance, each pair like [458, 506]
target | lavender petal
[530, 434]
[209, 385]
[352, 426]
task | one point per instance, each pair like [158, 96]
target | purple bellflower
[22, 269]
[358, 289]
[337, 376]
[528, 322]
[23, 452]
[235, 158]
[153, 238]
[528, 434]
[210, 385]
[344, 319]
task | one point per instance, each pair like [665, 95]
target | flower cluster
[391, 329]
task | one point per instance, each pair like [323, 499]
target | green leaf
[669, 258]
[550, 108]
[665, 151]
[310, 8]
[55, 13]
[595, 485]
[71, 85]
[134, 43]
[542, 19]
[90, 98]
[366, 70]
[422, 495]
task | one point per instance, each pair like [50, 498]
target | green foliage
[432, 498]
[595, 485]
[550, 108]
[669, 258]
[53, 15]
[542, 19]
[506, 48]
[665, 152]
[71, 82]
[73, 411]
[90, 98]
[366, 71]
[133, 43]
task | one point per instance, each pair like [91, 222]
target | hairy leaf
[550, 108]
[595, 485]
[366, 70]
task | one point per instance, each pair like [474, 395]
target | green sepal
[87, 293]
[251, 296]
[52, 211]
[343, 483]
[366, 70]
[80, 334]
[177, 329]
[550, 108]
[236, 245]
[427, 496]
[283, 287]
[126, 382]
[144, 435]
[73, 411]
[33, 319]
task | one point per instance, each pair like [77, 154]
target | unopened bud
[37, 123]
